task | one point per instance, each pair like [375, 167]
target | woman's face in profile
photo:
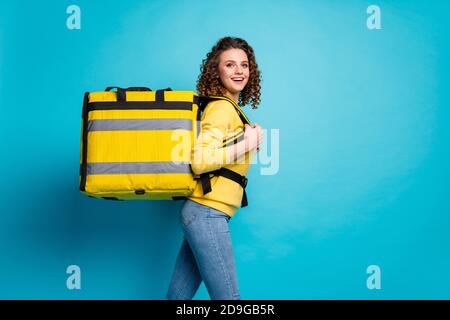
[234, 70]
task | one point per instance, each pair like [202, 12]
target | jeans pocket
[187, 217]
[190, 212]
[213, 213]
[220, 221]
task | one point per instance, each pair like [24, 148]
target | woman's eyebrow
[235, 61]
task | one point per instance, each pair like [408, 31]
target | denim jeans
[206, 254]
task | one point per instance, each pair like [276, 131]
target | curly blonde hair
[209, 83]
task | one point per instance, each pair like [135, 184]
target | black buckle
[244, 182]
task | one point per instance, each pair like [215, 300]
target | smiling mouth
[238, 80]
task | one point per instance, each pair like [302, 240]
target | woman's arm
[207, 158]
[208, 153]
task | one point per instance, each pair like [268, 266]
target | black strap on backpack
[205, 180]
[121, 92]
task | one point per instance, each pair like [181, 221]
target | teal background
[364, 158]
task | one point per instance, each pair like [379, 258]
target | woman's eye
[231, 65]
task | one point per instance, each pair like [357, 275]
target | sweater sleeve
[208, 154]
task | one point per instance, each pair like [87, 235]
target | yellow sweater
[220, 126]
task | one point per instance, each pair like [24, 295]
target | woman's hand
[260, 133]
[253, 136]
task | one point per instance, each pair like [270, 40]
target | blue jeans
[206, 254]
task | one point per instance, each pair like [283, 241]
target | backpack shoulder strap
[205, 99]
[205, 178]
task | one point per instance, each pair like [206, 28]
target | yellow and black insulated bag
[137, 143]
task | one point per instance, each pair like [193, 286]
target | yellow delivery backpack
[137, 143]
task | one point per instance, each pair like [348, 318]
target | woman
[206, 253]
